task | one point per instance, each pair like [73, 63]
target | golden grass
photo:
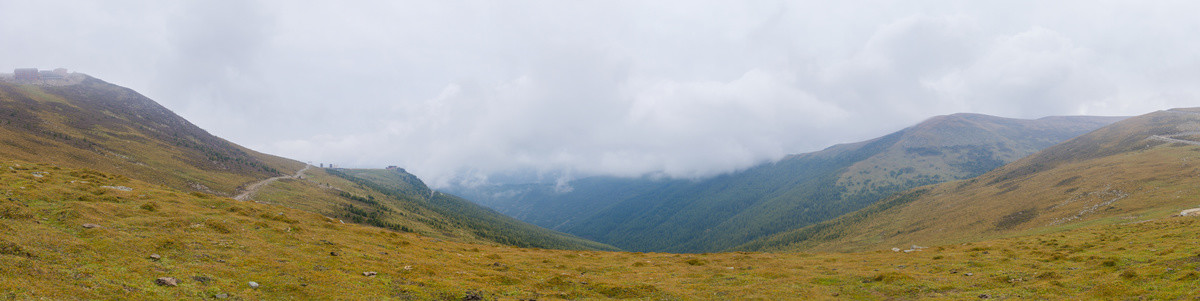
[217, 245]
[78, 132]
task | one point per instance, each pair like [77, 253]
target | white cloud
[456, 90]
[1027, 73]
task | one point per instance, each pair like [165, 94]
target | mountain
[90, 124]
[455, 212]
[728, 210]
[1138, 169]
[79, 232]
[97, 125]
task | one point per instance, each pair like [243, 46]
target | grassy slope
[1112, 175]
[217, 245]
[457, 213]
[101, 126]
[105, 127]
[729, 210]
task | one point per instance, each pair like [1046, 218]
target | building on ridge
[26, 74]
[49, 75]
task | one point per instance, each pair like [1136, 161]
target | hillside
[81, 234]
[728, 210]
[99, 126]
[1138, 169]
[454, 212]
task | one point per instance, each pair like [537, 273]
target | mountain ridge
[91, 124]
[726, 210]
[1117, 173]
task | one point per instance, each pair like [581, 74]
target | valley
[107, 195]
[722, 212]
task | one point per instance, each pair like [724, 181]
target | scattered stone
[90, 226]
[984, 296]
[221, 296]
[370, 274]
[121, 188]
[968, 274]
[155, 257]
[895, 249]
[253, 284]
[333, 253]
[498, 265]
[473, 296]
[201, 279]
[166, 281]
[408, 268]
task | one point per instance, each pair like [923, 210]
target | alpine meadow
[599, 150]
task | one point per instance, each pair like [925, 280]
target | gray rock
[253, 284]
[370, 274]
[166, 281]
[202, 279]
[155, 256]
[90, 226]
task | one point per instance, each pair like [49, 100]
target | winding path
[253, 188]
[1170, 138]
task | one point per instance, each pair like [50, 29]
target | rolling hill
[728, 210]
[70, 230]
[1142, 168]
[81, 234]
[97, 125]
[94, 125]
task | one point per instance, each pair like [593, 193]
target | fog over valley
[474, 92]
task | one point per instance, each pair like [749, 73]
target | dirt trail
[250, 190]
[1168, 138]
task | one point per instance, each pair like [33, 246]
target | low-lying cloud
[460, 91]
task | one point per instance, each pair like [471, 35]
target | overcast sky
[465, 89]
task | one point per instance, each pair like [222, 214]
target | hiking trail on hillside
[253, 188]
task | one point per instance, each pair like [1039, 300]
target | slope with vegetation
[104, 127]
[1122, 173]
[97, 125]
[728, 210]
[81, 234]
